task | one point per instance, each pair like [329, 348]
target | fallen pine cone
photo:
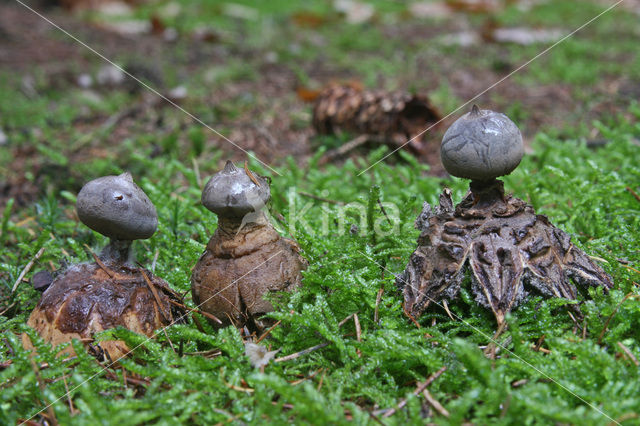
[395, 117]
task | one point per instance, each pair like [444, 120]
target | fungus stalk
[118, 251]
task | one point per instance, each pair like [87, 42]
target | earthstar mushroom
[246, 258]
[499, 240]
[110, 292]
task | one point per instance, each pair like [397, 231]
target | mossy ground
[551, 370]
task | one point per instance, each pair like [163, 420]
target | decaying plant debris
[395, 117]
[508, 248]
[110, 292]
[246, 258]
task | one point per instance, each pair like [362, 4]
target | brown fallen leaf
[307, 95]
[305, 19]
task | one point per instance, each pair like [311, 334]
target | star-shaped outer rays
[508, 249]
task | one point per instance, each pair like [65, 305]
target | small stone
[110, 75]
[482, 145]
[85, 81]
[41, 280]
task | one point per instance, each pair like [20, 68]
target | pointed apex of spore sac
[234, 192]
[475, 111]
[229, 167]
[126, 176]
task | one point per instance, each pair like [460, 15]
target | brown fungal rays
[506, 248]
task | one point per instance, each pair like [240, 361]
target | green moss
[581, 190]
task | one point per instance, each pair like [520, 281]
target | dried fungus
[499, 240]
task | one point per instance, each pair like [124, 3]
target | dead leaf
[157, 26]
[307, 95]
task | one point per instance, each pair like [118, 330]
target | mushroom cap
[117, 208]
[482, 145]
[232, 193]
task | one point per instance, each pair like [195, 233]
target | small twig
[434, 403]
[630, 268]
[606, 323]
[519, 383]
[416, 392]
[8, 308]
[198, 311]
[42, 386]
[152, 287]
[490, 350]
[505, 406]
[112, 121]
[301, 353]
[356, 321]
[72, 409]
[250, 174]
[344, 149]
[196, 170]
[540, 340]
[543, 350]
[376, 315]
[634, 193]
[234, 387]
[324, 371]
[155, 261]
[102, 266]
[168, 339]
[384, 212]
[311, 376]
[316, 197]
[344, 321]
[413, 320]
[445, 305]
[266, 333]
[26, 269]
[629, 353]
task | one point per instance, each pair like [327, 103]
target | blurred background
[252, 70]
